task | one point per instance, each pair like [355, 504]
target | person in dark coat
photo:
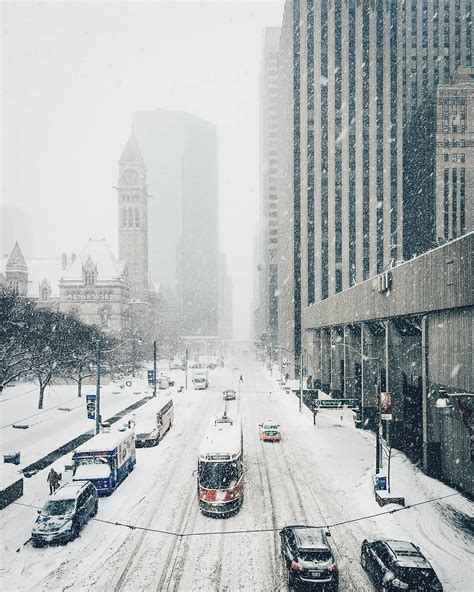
[51, 479]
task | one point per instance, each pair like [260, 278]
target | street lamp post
[154, 368]
[300, 373]
[97, 390]
[378, 435]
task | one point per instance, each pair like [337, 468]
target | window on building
[446, 157]
[44, 294]
[89, 277]
[137, 217]
[454, 157]
[130, 217]
[462, 158]
[338, 280]
[446, 203]
[124, 218]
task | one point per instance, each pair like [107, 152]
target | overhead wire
[262, 530]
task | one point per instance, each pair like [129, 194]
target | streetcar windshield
[218, 475]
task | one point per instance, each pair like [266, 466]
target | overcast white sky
[74, 72]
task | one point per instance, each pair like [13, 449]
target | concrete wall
[438, 280]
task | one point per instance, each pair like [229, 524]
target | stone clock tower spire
[133, 218]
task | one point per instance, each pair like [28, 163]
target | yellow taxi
[270, 431]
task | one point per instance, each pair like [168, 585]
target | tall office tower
[225, 300]
[268, 298]
[133, 218]
[362, 96]
[180, 153]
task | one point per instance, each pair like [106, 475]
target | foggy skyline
[73, 74]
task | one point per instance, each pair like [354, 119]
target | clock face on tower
[130, 177]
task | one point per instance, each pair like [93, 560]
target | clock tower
[133, 218]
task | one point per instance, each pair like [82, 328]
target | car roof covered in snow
[104, 441]
[310, 537]
[223, 437]
[69, 490]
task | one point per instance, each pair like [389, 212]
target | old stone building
[133, 218]
[95, 287]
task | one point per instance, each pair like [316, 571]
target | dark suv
[308, 557]
[64, 514]
[398, 565]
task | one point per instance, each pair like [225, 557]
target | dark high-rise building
[362, 119]
[180, 154]
[267, 300]
[375, 218]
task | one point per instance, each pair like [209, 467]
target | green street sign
[336, 403]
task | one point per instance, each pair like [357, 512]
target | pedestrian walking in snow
[51, 479]
[57, 479]
[241, 379]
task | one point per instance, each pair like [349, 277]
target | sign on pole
[90, 406]
[386, 406]
[151, 377]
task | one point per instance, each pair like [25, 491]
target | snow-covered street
[316, 475]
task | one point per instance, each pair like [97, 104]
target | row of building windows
[129, 198]
[99, 295]
[454, 157]
[129, 220]
[454, 197]
[454, 129]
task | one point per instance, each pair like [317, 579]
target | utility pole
[97, 390]
[186, 370]
[378, 442]
[154, 368]
[301, 381]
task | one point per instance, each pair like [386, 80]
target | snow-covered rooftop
[222, 438]
[105, 442]
[108, 267]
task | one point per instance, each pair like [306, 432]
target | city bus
[152, 421]
[220, 472]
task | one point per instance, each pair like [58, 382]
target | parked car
[308, 557]
[65, 513]
[398, 565]
[229, 395]
[270, 431]
[176, 365]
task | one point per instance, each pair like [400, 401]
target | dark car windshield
[315, 556]
[58, 508]
[218, 475]
[415, 575]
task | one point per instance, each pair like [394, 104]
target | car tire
[74, 531]
[363, 560]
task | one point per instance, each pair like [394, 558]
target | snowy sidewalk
[63, 417]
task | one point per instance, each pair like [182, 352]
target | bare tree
[16, 317]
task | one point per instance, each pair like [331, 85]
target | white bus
[151, 421]
[200, 378]
[220, 474]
